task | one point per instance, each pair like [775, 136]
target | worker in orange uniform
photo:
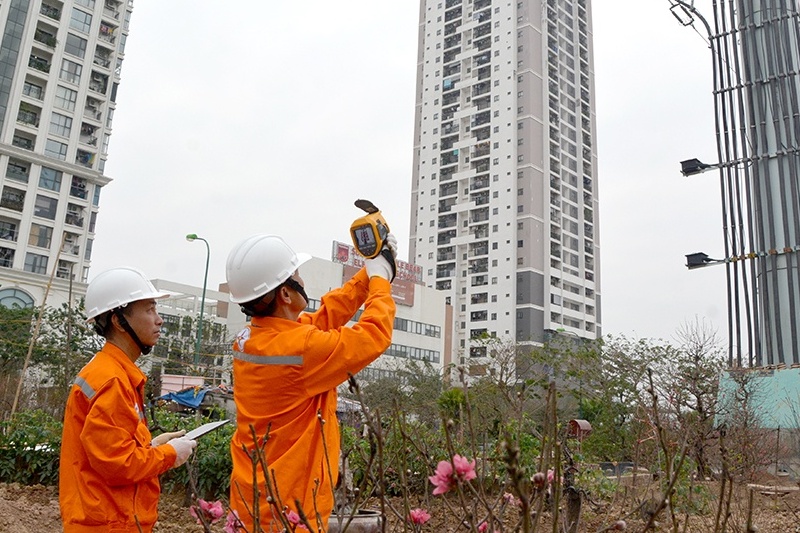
[286, 368]
[108, 474]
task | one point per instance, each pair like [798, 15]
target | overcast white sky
[241, 117]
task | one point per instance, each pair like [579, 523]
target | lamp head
[191, 237]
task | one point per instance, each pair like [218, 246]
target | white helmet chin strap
[145, 349]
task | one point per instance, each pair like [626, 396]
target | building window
[80, 21]
[71, 71]
[56, 149]
[96, 197]
[60, 125]
[65, 98]
[40, 236]
[50, 179]
[36, 263]
[45, 207]
[75, 46]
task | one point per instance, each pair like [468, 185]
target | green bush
[30, 442]
[210, 464]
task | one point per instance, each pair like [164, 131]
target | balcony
[445, 272]
[446, 236]
[98, 83]
[480, 198]
[479, 266]
[18, 171]
[448, 221]
[71, 248]
[85, 159]
[74, 218]
[479, 182]
[446, 254]
[78, 188]
[102, 60]
[8, 230]
[481, 150]
[482, 30]
[39, 63]
[480, 232]
[64, 270]
[479, 215]
[92, 109]
[23, 142]
[50, 12]
[449, 158]
[12, 199]
[111, 9]
[448, 189]
[452, 41]
[452, 14]
[477, 249]
[88, 134]
[46, 38]
[33, 91]
[483, 16]
[28, 116]
[6, 257]
[107, 34]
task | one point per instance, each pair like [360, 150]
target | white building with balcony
[60, 64]
[504, 194]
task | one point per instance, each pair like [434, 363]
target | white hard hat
[258, 265]
[117, 287]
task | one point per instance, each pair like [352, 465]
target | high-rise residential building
[504, 196]
[60, 63]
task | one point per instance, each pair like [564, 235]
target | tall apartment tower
[60, 64]
[504, 210]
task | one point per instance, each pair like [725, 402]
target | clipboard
[205, 428]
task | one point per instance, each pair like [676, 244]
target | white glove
[166, 437]
[391, 243]
[183, 447]
[379, 266]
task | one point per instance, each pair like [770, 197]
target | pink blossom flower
[551, 475]
[294, 519]
[482, 527]
[446, 476]
[465, 469]
[210, 511]
[232, 523]
[418, 516]
[442, 478]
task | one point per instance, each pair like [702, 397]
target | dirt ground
[26, 509]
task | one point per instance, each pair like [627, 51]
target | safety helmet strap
[145, 349]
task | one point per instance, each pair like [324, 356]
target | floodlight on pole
[193, 237]
[690, 167]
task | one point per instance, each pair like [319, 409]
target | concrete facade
[60, 64]
[504, 210]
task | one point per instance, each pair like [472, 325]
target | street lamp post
[193, 237]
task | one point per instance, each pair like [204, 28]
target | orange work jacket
[108, 475]
[285, 377]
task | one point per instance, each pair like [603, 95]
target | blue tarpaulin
[190, 397]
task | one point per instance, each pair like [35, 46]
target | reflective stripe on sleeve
[269, 359]
[85, 387]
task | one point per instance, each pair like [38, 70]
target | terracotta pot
[363, 521]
